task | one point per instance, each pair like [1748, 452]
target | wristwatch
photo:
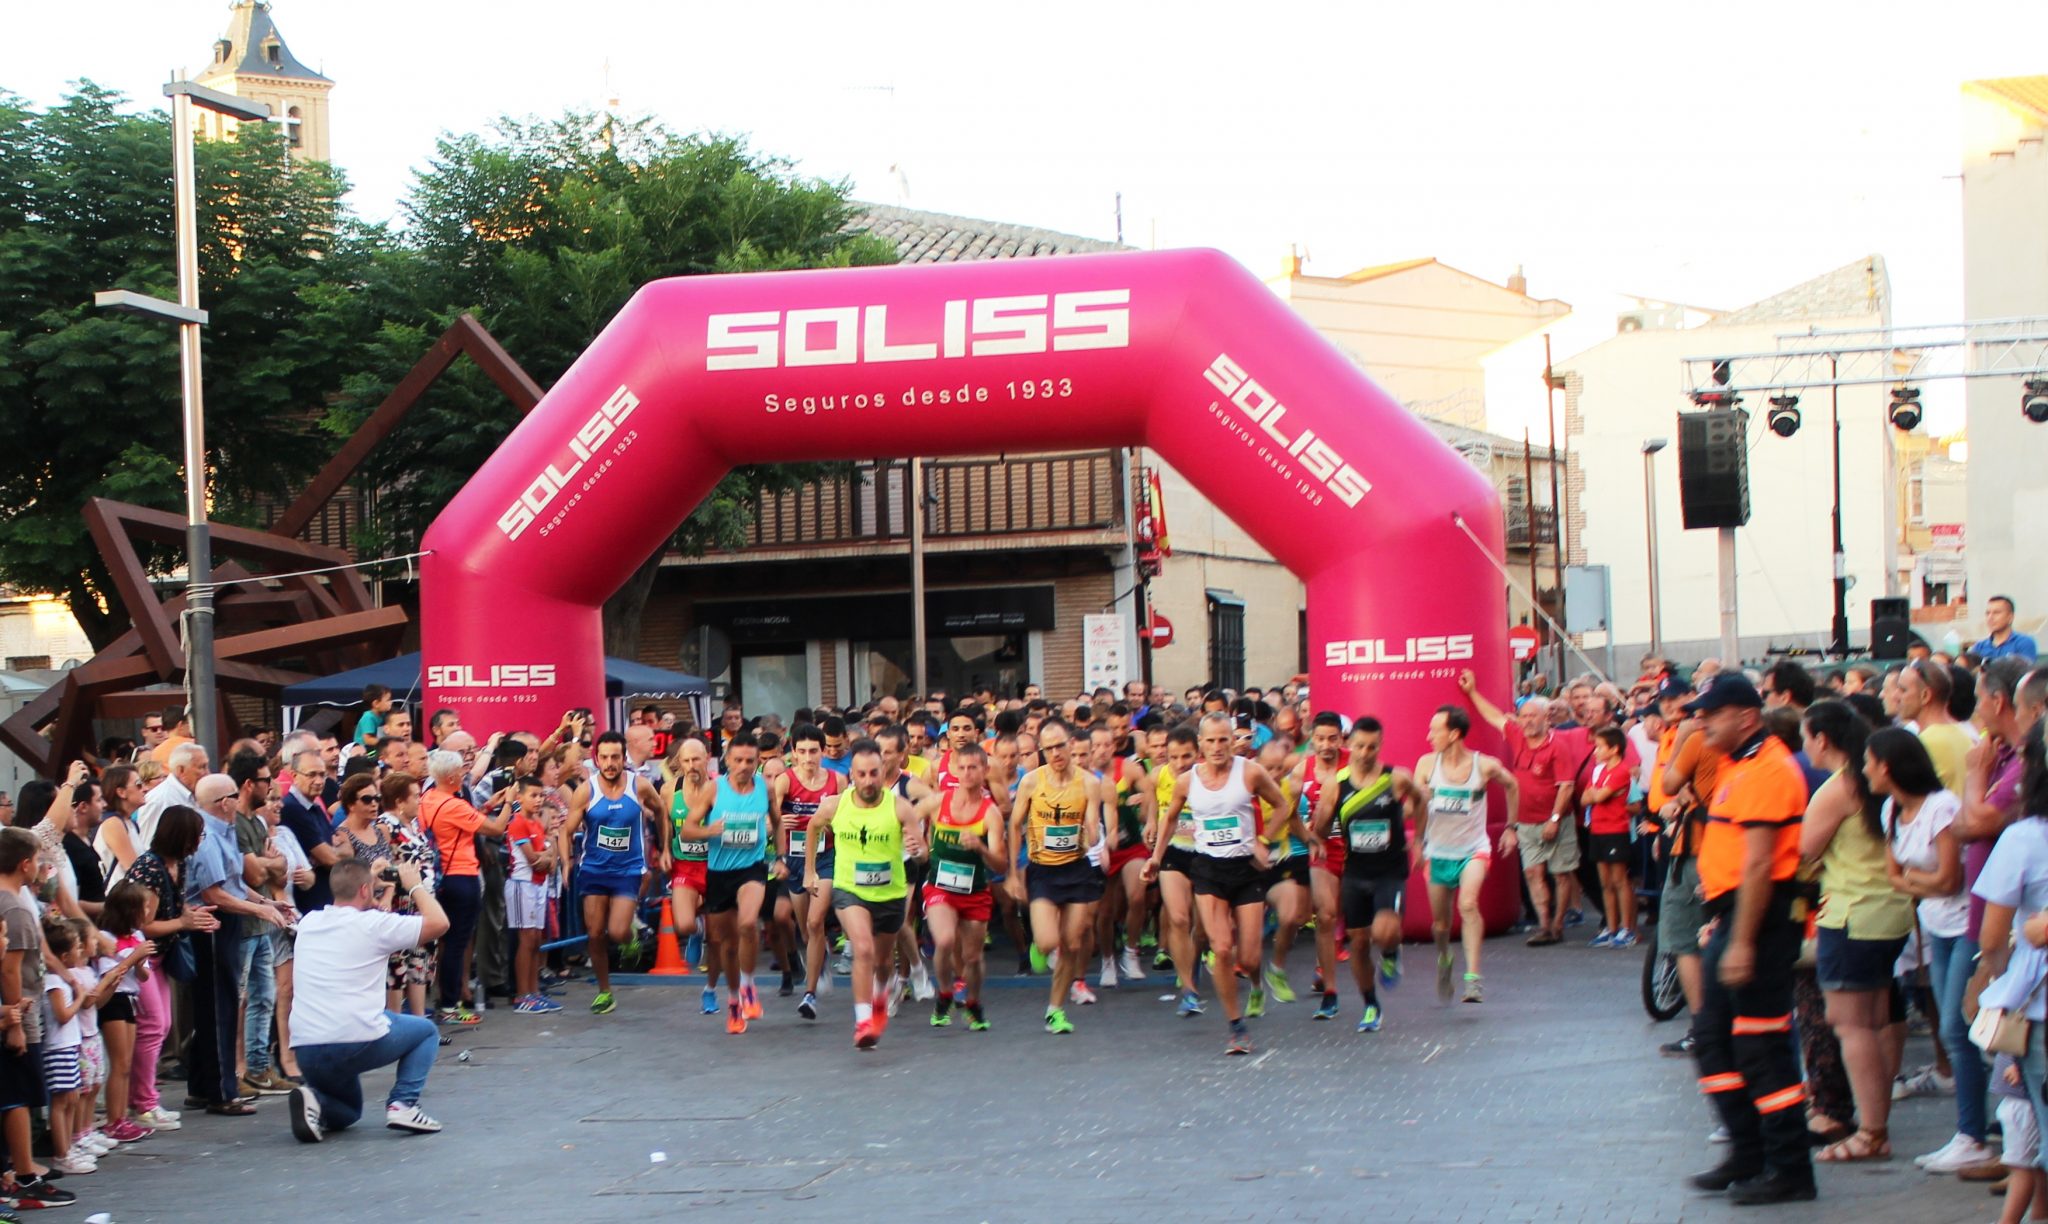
[1555, 817]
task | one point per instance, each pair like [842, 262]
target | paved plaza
[1547, 1102]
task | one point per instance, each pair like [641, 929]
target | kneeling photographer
[339, 1026]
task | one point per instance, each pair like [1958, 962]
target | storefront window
[955, 665]
[773, 683]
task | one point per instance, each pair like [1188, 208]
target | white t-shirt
[68, 1033]
[1913, 845]
[338, 981]
[287, 843]
[88, 1017]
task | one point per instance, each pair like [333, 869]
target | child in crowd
[1609, 825]
[526, 894]
[370, 727]
[121, 922]
[2028, 1185]
[61, 1041]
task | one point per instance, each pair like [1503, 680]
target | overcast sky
[1704, 153]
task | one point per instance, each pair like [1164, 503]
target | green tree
[89, 403]
[543, 230]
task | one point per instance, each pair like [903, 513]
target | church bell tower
[251, 61]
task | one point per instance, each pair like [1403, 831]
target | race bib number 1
[953, 877]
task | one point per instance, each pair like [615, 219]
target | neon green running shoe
[1255, 1006]
[1038, 961]
[603, 1004]
[1276, 983]
[1056, 1021]
[941, 1021]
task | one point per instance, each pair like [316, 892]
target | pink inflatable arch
[1182, 351]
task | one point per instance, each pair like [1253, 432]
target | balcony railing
[1027, 494]
[1531, 526]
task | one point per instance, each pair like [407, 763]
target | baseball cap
[1726, 689]
[1674, 686]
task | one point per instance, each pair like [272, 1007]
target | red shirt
[1610, 815]
[1539, 771]
[525, 832]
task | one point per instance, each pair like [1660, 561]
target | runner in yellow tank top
[1058, 813]
[870, 830]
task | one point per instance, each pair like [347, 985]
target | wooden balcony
[1023, 495]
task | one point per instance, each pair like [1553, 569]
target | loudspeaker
[1891, 627]
[1713, 468]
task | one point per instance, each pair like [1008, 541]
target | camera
[389, 875]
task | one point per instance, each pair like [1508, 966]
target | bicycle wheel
[1663, 997]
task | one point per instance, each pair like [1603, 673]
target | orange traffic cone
[668, 954]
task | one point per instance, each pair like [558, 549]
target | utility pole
[1731, 652]
[1839, 647]
[1550, 384]
[920, 663]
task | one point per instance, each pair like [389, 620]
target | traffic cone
[668, 954]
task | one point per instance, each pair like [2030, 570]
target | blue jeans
[1951, 961]
[334, 1072]
[259, 993]
[463, 898]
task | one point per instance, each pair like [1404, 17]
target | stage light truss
[2014, 348]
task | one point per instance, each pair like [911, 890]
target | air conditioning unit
[1632, 321]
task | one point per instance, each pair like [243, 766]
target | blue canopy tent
[623, 679]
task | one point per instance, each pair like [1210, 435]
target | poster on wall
[1103, 651]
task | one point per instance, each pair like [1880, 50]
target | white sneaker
[75, 1165]
[94, 1144]
[156, 1119]
[305, 1111]
[409, 1118]
[1131, 966]
[1961, 1152]
[894, 994]
[921, 983]
[1927, 1082]
[1080, 993]
[1720, 1135]
[1108, 978]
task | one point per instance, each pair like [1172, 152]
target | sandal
[1543, 939]
[1863, 1145]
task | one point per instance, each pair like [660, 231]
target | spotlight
[2034, 401]
[1784, 415]
[1905, 411]
[1721, 372]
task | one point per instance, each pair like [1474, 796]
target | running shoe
[708, 1001]
[1343, 953]
[1255, 1006]
[527, 1006]
[977, 1021]
[543, 1004]
[1108, 978]
[1190, 1004]
[1625, 938]
[32, 1193]
[1682, 1048]
[1475, 991]
[921, 987]
[1328, 1011]
[1056, 1021]
[1574, 917]
[1390, 970]
[1131, 965]
[788, 986]
[1370, 1021]
[1162, 961]
[126, 1131]
[1316, 986]
[1240, 1041]
[808, 1008]
[1038, 962]
[735, 1019]
[461, 1016]
[750, 1003]
[1605, 939]
[158, 1118]
[842, 964]
[1277, 985]
[693, 949]
[959, 991]
[603, 1004]
[894, 993]
[402, 1117]
[865, 1035]
[1926, 1082]
[941, 1020]
[1079, 993]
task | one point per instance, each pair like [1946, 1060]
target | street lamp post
[1650, 448]
[185, 312]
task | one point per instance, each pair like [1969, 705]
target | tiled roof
[929, 237]
[1850, 291]
[249, 29]
[2028, 94]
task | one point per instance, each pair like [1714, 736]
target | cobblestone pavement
[1546, 1103]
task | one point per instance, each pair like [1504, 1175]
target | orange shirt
[1759, 786]
[454, 824]
[1658, 795]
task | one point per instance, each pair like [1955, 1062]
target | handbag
[179, 961]
[1997, 1030]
